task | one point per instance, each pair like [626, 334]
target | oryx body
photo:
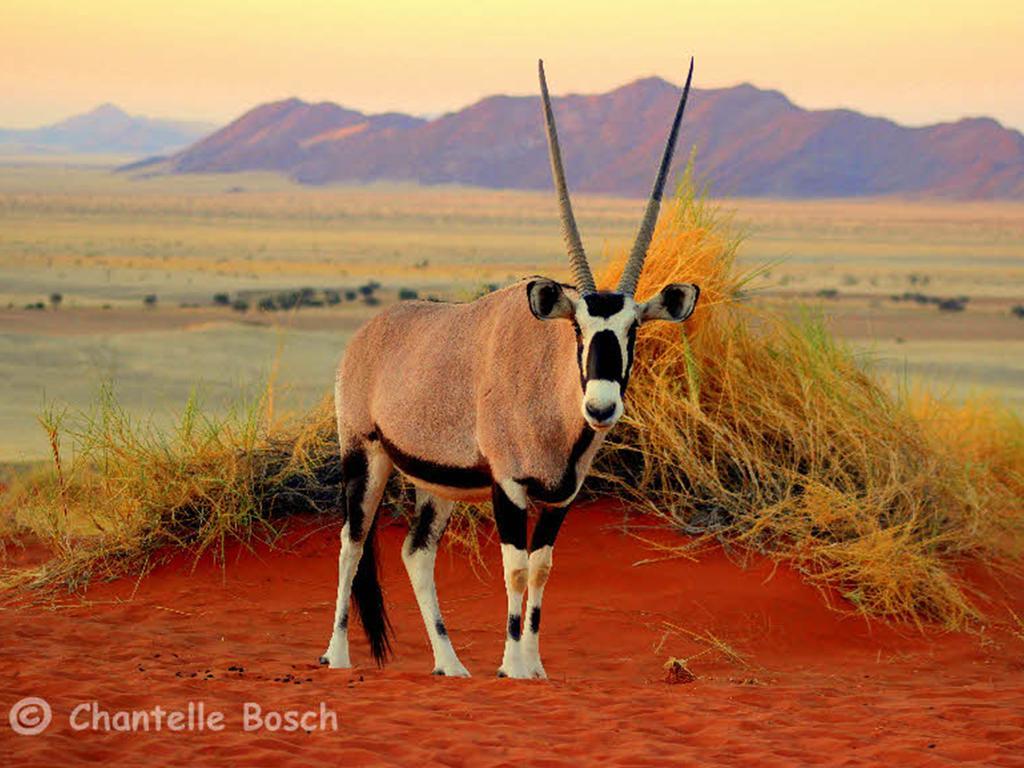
[486, 400]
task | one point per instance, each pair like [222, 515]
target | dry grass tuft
[767, 432]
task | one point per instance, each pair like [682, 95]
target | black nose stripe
[605, 358]
[601, 413]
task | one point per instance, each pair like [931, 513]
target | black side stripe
[445, 475]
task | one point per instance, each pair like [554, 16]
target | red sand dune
[821, 688]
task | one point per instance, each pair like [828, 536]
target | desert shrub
[240, 305]
[266, 304]
[332, 297]
[1018, 310]
[407, 294]
[149, 300]
[221, 299]
[56, 299]
[351, 295]
[767, 432]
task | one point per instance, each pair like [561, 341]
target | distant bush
[407, 294]
[332, 297]
[945, 305]
[221, 299]
[368, 289]
[350, 295]
[56, 299]
[828, 293]
[35, 305]
[266, 304]
[1018, 311]
[240, 305]
[371, 301]
[149, 300]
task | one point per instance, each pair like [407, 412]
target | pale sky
[915, 62]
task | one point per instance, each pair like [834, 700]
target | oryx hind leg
[419, 553]
[364, 474]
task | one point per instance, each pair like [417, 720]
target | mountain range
[748, 142]
[107, 129]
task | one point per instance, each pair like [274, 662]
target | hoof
[502, 673]
[324, 661]
[439, 673]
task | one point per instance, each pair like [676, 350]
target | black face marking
[535, 619]
[546, 530]
[605, 358]
[604, 304]
[441, 630]
[445, 475]
[630, 344]
[515, 627]
[419, 536]
[354, 472]
[510, 519]
[579, 353]
[566, 487]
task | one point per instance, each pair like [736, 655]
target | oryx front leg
[509, 501]
[419, 553]
[541, 548]
[364, 474]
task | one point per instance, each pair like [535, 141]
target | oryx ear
[675, 303]
[548, 300]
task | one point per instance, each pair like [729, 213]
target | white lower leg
[539, 570]
[336, 655]
[420, 567]
[516, 566]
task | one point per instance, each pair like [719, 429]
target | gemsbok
[507, 397]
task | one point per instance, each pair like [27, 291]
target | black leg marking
[354, 472]
[510, 519]
[420, 535]
[546, 530]
[515, 627]
[441, 629]
[343, 622]
[535, 619]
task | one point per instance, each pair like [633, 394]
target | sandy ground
[818, 688]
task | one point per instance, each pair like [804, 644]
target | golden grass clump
[129, 490]
[765, 431]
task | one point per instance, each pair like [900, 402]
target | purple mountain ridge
[749, 142]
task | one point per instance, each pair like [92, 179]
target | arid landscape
[535, 384]
[105, 241]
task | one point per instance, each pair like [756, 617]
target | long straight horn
[631, 274]
[570, 234]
